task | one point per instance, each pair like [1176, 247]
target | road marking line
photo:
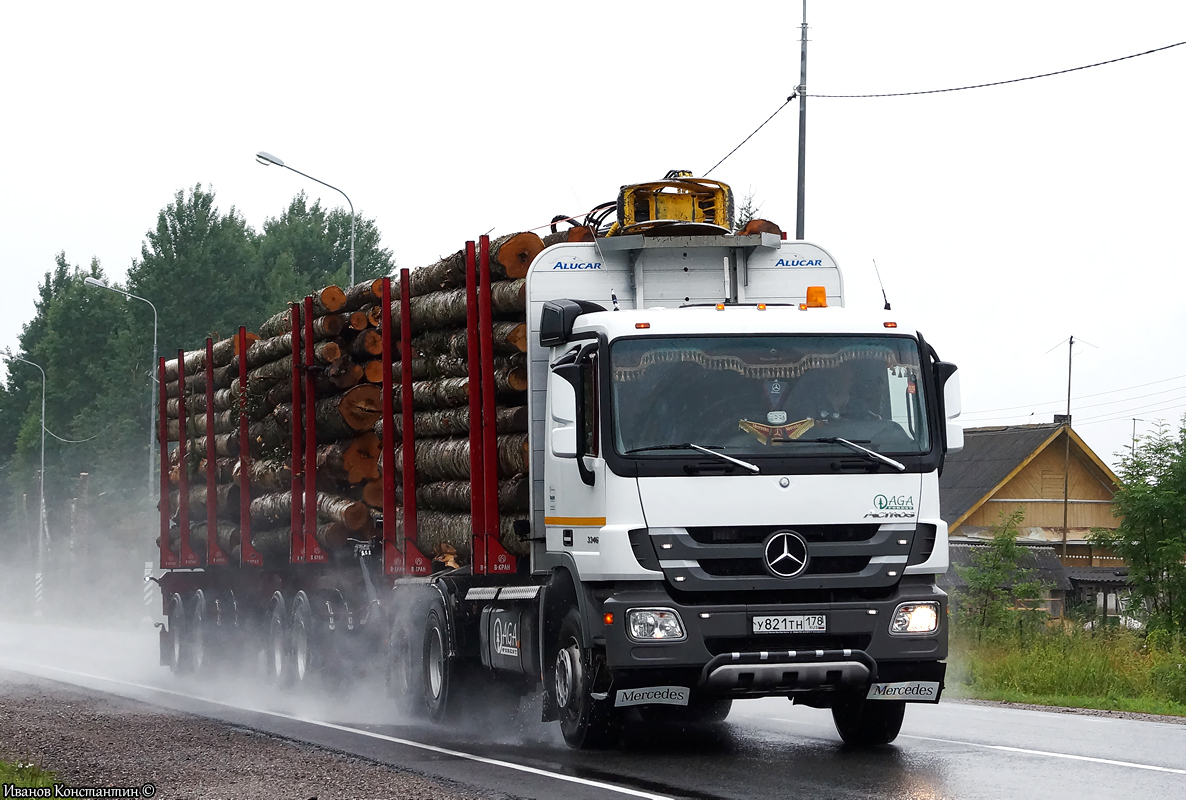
[1002, 747]
[1007, 749]
[346, 729]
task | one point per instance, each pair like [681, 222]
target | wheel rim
[197, 640]
[436, 662]
[175, 629]
[567, 675]
[401, 681]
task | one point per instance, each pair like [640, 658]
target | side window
[589, 382]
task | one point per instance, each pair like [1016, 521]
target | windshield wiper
[872, 455]
[690, 446]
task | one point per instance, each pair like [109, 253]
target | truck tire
[438, 676]
[277, 646]
[586, 722]
[867, 723]
[404, 673]
[301, 635]
[178, 654]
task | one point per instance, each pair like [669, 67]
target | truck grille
[717, 559]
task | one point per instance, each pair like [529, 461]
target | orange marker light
[817, 297]
[802, 306]
[890, 324]
[720, 306]
[761, 306]
[642, 325]
[608, 618]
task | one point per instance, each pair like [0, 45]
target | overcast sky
[1003, 219]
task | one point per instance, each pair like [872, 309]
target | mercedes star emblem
[786, 554]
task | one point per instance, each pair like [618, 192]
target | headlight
[654, 624]
[915, 618]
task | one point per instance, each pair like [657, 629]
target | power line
[938, 91]
[70, 441]
[746, 139]
[1002, 83]
[1080, 397]
[1080, 408]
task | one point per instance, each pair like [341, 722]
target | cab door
[574, 469]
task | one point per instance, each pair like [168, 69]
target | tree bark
[195, 425]
[447, 309]
[265, 475]
[225, 445]
[196, 383]
[448, 459]
[195, 360]
[226, 501]
[513, 495]
[455, 422]
[341, 374]
[272, 509]
[224, 400]
[276, 347]
[508, 338]
[276, 543]
[438, 530]
[366, 345]
[329, 300]
[360, 294]
[281, 368]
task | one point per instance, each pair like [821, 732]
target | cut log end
[516, 252]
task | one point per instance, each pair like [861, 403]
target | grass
[1113, 669]
[25, 774]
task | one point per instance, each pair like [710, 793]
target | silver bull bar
[774, 671]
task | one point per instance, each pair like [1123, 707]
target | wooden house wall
[1042, 479]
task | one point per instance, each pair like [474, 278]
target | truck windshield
[783, 395]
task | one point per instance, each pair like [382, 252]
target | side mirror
[948, 377]
[558, 317]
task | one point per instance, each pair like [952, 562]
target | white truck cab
[734, 481]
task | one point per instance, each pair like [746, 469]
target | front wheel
[438, 676]
[585, 721]
[867, 723]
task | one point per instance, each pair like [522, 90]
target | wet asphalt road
[767, 748]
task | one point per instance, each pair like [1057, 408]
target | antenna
[882, 285]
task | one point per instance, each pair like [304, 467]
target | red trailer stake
[414, 561]
[168, 560]
[393, 559]
[214, 554]
[247, 554]
[313, 552]
[477, 502]
[297, 552]
[495, 559]
[188, 557]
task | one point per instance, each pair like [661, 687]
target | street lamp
[267, 159]
[41, 501]
[1135, 420]
[92, 281]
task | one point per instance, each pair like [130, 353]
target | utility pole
[802, 92]
[1066, 459]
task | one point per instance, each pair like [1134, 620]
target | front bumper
[856, 649]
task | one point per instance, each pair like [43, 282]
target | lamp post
[267, 159]
[92, 281]
[1135, 420]
[41, 500]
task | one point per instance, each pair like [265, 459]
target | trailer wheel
[867, 723]
[178, 657]
[438, 675]
[586, 722]
[196, 633]
[303, 644]
[277, 650]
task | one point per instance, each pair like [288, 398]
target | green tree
[201, 270]
[997, 583]
[747, 210]
[306, 248]
[1151, 537]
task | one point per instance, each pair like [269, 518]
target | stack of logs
[347, 351]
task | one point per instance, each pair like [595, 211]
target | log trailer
[733, 494]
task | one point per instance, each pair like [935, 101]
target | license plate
[809, 623]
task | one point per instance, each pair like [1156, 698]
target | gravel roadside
[91, 739]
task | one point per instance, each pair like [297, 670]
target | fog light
[651, 624]
[915, 618]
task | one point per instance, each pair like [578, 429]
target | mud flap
[166, 642]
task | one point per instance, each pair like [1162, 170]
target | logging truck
[638, 470]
